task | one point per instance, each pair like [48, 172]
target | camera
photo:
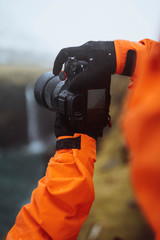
[83, 109]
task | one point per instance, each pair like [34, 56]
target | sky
[49, 25]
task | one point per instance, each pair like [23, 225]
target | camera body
[84, 109]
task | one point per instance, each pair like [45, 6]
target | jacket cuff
[127, 56]
[72, 142]
[69, 143]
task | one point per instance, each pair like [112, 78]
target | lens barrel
[44, 89]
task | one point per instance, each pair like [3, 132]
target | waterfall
[36, 145]
[33, 127]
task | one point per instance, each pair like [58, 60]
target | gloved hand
[101, 60]
[63, 128]
[101, 64]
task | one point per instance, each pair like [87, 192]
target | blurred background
[31, 34]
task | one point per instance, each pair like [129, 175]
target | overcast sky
[49, 25]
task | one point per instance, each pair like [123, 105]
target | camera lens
[45, 89]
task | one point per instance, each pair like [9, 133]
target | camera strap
[69, 143]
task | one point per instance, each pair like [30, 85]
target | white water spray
[36, 145]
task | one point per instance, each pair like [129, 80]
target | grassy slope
[20, 74]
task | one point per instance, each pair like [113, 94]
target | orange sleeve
[62, 201]
[142, 49]
[141, 125]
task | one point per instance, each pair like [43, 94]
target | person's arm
[141, 127]
[130, 57]
[104, 58]
[61, 202]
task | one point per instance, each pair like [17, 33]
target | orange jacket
[141, 125]
[61, 202]
[142, 49]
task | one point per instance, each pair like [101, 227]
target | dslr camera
[83, 109]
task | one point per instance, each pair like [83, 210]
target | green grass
[20, 75]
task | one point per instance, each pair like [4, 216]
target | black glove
[101, 60]
[63, 128]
